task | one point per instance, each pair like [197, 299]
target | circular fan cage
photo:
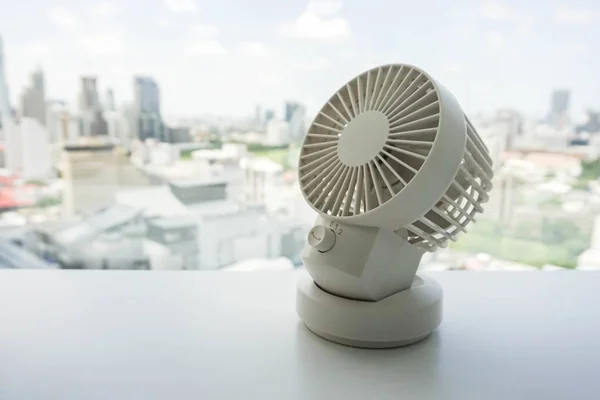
[396, 117]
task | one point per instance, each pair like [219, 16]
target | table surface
[235, 335]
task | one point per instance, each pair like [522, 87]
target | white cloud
[203, 41]
[105, 9]
[480, 88]
[205, 47]
[320, 20]
[453, 67]
[255, 49]
[495, 39]
[497, 11]
[36, 49]
[163, 23]
[525, 26]
[204, 30]
[325, 7]
[269, 78]
[318, 64]
[574, 15]
[182, 6]
[103, 43]
[466, 31]
[64, 18]
[577, 49]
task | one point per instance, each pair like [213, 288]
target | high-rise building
[88, 97]
[263, 182]
[63, 127]
[118, 128]
[4, 96]
[179, 134]
[509, 123]
[69, 128]
[27, 149]
[258, 114]
[149, 124]
[93, 173]
[55, 112]
[290, 109]
[269, 115]
[295, 114]
[559, 106]
[93, 122]
[278, 133]
[110, 100]
[130, 117]
[147, 95]
[33, 99]
[98, 124]
[592, 125]
[502, 200]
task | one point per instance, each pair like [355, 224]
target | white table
[235, 335]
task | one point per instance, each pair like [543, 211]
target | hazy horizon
[223, 58]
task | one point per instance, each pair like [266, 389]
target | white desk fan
[394, 169]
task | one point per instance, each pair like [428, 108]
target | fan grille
[407, 98]
[409, 102]
[458, 206]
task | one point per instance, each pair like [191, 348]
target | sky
[227, 56]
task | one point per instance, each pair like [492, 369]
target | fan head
[392, 148]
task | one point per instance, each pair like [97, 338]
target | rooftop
[261, 164]
[96, 224]
[161, 201]
[173, 222]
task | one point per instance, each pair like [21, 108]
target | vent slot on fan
[457, 208]
[408, 101]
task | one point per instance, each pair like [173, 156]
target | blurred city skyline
[223, 58]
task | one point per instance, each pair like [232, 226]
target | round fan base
[401, 319]
[368, 345]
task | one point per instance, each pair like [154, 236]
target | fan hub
[363, 138]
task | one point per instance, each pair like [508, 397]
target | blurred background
[164, 134]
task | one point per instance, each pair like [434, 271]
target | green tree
[556, 231]
[559, 243]
[590, 170]
[49, 202]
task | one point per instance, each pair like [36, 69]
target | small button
[321, 238]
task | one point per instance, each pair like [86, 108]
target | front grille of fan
[409, 101]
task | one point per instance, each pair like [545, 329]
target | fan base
[401, 319]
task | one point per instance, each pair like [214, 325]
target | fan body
[394, 169]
